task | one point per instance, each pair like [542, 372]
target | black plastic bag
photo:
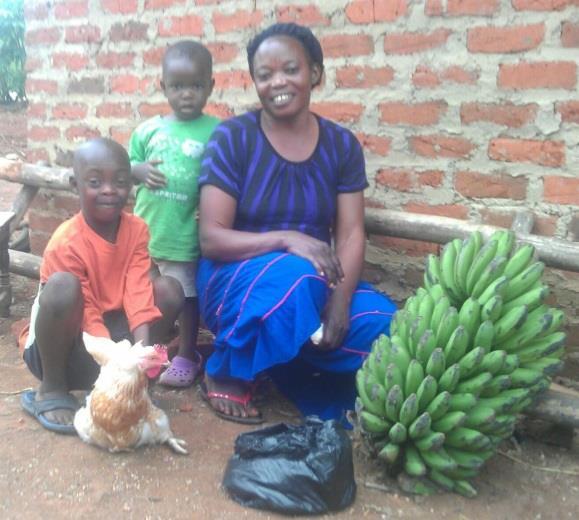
[305, 469]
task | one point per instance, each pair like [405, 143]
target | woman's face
[283, 76]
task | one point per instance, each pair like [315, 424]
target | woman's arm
[350, 241]
[219, 241]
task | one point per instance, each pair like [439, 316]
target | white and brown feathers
[119, 414]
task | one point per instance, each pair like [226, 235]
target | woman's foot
[230, 399]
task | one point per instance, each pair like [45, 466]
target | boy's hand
[148, 174]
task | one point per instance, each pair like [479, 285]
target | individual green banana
[479, 264]
[548, 366]
[438, 460]
[506, 241]
[492, 309]
[493, 362]
[466, 438]
[496, 288]
[446, 327]
[527, 333]
[449, 422]
[465, 459]
[557, 323]
[420, 426]
[415, 485]
[475, 384]
[425, 347]
[394, 400]
[447, 263]
[524, 281]
[390, 452]
[413, 463]
[399, 355]
[524, 377]
[432, 271]
[450, 378]
[532, 299]
[509, 324]
[485, 335]
[511, 363]
[470, 363]
[519, 260]
[457, 345]
[430, 442]
[398, 433]
[501, 403]
[376, 363]
[372, 423]
[417, 329]
[426, 392]
[437, 291]
[400, 325]
[441, 480]
[440, 308]
[367, 403]
[408, 410]
[462, 402]
[439, 406]
[436, 364]
[461, 473]
[478, 416]
[496, 385]
[464, 488]
[393, 377]
[469, 317]
[463, 262]
[414, 376]
[536, 389]
[493, 270]
[411, 305]
[377, 396]
[425, 310]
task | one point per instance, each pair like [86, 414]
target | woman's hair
[298, 32]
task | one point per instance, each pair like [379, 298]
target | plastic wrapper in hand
[306, 469]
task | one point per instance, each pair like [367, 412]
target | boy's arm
[144, 171]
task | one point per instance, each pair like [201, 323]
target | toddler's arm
[148, 174]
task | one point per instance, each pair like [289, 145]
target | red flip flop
[243, 400]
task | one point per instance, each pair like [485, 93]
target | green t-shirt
[171, 211]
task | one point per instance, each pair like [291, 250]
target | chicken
[119, 414]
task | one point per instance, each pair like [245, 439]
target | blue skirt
[263, 311]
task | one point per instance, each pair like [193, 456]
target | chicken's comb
[161, 351]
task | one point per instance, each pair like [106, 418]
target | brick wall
[465, 108]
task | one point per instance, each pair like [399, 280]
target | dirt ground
[44, 475]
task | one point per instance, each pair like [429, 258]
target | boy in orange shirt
[94, 277]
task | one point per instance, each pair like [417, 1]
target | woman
[277, 185]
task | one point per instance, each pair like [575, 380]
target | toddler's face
[187, 84]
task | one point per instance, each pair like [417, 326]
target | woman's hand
[320, 254]
[148, 174]
[336, 320]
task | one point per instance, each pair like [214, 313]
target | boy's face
[103, 181]
[187, 84]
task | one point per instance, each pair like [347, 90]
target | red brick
[360, 11]
[219, 110]
[153, 109]
[223, 52]
[120, 134]
[561, 190]
[36, 110]
[115, 60]
[445, 210]
[120, 6]
[343, 112]
[416, 114]
[44, 36]
[432, 178]
[70, 9]
[130, 84]
[34, 155]
[472, 7]
[425, 77]
[507, 114]
[33, 63]
[236, 21]
[405, 246]
[357, 76]
[389, 11]
[396, 179]
[344, 45]
[95, 85]
[69, 111]
[541, 74]
[434, 8]
[43, 133]
[159, 4]
[81, 132]
[114, 110]
[308, 15]
[411, 42]
[154, 56]
[181, 26]
[545, 153]
[232, 79]
[499, 185]
[545, 226]
[69, 60]
[66, 201]
[82, 34]
[505, 39]
[373, 203]
[441, 146]
[570, 34]
[455, 74]
[36, 11]
[569, 111]
[375, 143]
[542, 5]
[129, 31]
[46, 86]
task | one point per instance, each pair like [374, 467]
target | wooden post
[5, 288]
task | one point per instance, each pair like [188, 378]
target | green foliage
[12, 52]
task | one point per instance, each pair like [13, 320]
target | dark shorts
[81, 368]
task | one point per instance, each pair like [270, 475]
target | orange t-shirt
[113, 276]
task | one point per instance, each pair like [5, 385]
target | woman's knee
[169, 296]
[61, 294]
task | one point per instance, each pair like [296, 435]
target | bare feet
[231, 399]
[63, 416]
